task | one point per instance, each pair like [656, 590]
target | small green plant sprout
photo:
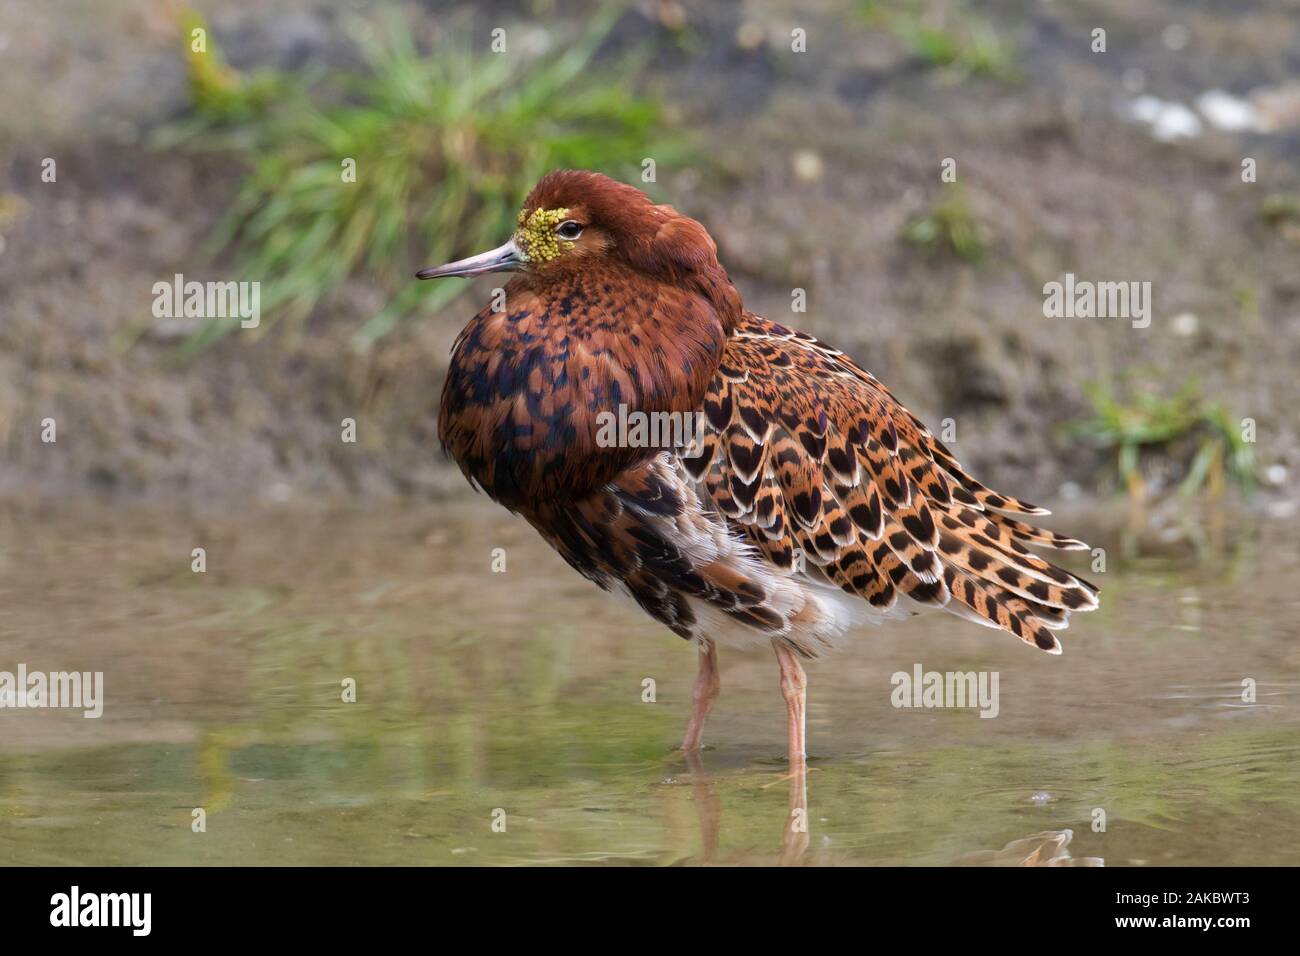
[422, 157]
[1281, 211]
[1209, 445]
[1277, 209]
[219, 93]
[950, 226]
[946, 36]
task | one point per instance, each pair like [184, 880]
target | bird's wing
[828, 474]
[648, 534]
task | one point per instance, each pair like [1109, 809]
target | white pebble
[1175, 36]
[1176, 121]
[1226, 112]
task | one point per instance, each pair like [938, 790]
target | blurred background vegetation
[817, 169]
[448, 146]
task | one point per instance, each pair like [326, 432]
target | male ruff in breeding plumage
[812, 502]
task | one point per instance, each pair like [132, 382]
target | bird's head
[615, 303]
[574, 220]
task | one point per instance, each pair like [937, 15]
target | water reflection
[1049, 848]
[522, 692]
[795, 834]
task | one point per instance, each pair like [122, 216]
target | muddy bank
[814, 167]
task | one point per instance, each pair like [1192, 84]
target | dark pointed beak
[504, 258]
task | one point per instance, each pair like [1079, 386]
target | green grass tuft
[1209, 441]
[445, 144]
[950, 226]
[218, 93]
[946, 36]
[1278, 209]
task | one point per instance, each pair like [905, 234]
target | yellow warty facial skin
[536, 237]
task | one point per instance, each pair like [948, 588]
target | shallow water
[522, 692]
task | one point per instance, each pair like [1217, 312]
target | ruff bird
[807, 502]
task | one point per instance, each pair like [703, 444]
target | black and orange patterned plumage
[810, 502]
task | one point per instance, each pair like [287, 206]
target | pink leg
[794, 689]
[707, 685]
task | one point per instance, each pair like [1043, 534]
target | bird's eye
[569, 229]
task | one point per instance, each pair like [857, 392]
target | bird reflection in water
[795, 836]
[1048, 848]
[1045, 848]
